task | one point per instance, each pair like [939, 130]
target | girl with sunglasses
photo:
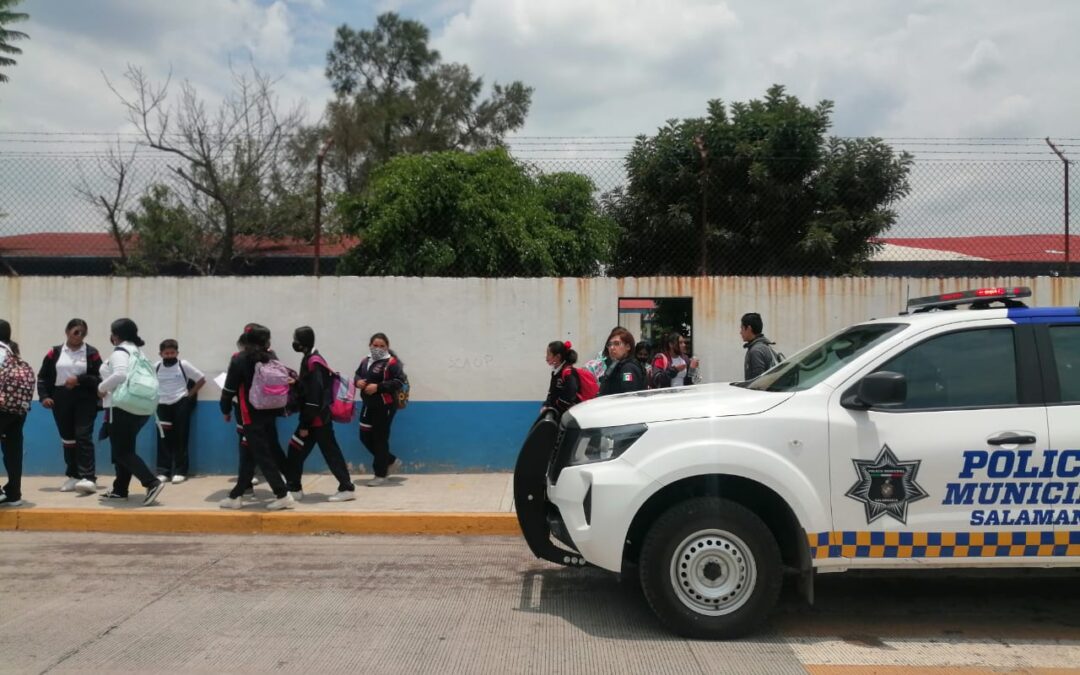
[67, 385]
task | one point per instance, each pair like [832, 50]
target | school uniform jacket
[387, 374]
[563, 390]
[238, 384]
[88, 381]
[314, 391]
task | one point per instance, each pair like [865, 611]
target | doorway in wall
[650, 318]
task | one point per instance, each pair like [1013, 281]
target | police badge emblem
[886, 486]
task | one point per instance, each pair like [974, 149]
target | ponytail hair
[127, 331]
[564, 351]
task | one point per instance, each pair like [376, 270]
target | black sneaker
[112, 495]
[152, 493]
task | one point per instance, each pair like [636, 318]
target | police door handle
[1011, 439]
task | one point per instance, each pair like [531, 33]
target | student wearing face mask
[565, 382]
[124, 426]
[315, 424]
[67, 385]
[179, 383]
[625, 374]
[379, 379]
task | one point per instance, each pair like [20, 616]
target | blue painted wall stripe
[428, 437]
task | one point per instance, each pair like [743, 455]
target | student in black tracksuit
[625, 374]
[379, 379]
[67, 385]
[315, 425]
[565, 383]
[260, 429]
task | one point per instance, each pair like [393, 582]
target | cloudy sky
[599, 67]
[903, 70]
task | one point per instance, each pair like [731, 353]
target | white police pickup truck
[940, 437]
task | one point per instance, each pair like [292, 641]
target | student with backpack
[668, 365]
[259, 382]
[67, 385]
[130, 390]
[16, 392]
[569, 385]
[179, 383]
[315, 384]
[380, 380]
[760, 356]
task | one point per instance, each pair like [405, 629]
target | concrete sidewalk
[410, 503]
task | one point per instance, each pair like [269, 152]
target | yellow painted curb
[287, 522]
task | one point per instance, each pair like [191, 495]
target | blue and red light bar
[976, 295]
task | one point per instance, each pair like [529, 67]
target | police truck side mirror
[880, 389]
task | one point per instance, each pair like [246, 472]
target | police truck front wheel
[710, 569]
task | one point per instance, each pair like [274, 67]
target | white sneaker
[230, 503]
[250, 495]
[297, 496]
[17, 502]
[254, 480]
[161, 477]
[86, 486]
[286, 502]
[69, 485]
[343, 496]
[394, 467]
[177, 479]
[376, 482]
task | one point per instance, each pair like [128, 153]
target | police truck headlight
[600, 445]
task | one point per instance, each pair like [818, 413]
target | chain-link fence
[961, 207]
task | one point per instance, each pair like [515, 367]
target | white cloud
[592, 63]
[985, 60]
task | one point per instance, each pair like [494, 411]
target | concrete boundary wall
[473, 348]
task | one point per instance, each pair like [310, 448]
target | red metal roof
[1012, 248]
[102, 245]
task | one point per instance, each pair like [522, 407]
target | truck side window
[972, 368]
[1066, 343]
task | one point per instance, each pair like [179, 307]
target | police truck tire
[710, 569]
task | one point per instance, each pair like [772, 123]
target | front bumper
[589, 508]
[596, 504]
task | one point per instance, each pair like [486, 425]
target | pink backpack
[270, 386]
[342, 393]
[344, 399]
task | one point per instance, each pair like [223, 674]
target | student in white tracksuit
[124, 426]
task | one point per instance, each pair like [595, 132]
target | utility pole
[1065, 161]
[318, 201]
[703, 263]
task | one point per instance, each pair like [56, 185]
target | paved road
[96, 602]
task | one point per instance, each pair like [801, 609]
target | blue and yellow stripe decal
[1027, 544]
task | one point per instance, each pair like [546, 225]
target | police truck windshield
[823, 358]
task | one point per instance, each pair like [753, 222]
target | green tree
[754, 188]
[475, 214]
[395, 95]
[7, 17]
